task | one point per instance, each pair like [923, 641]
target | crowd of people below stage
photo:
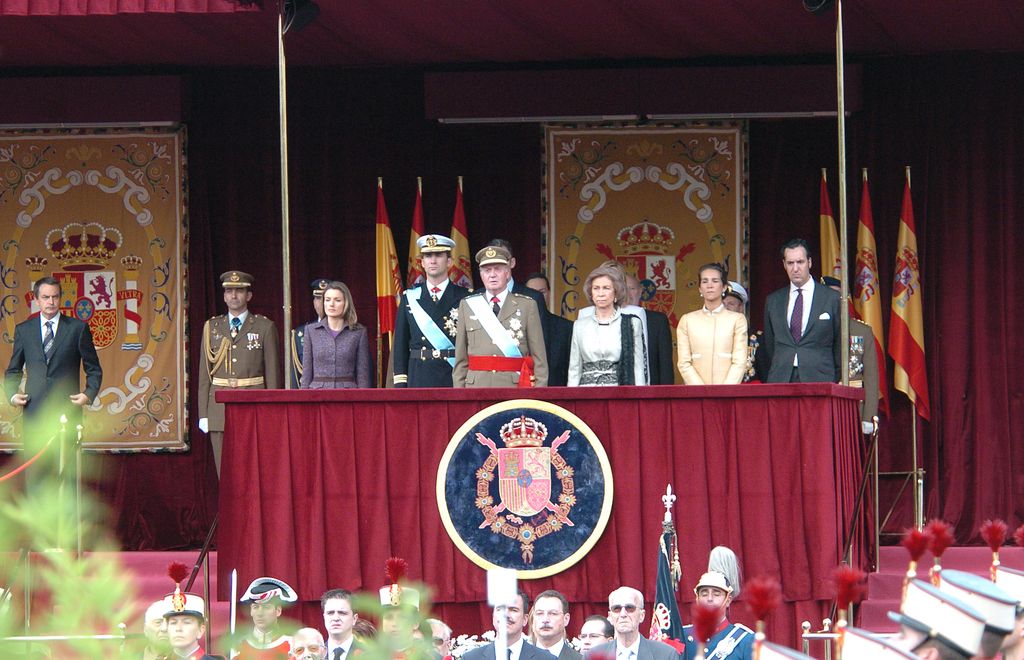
[962, 616]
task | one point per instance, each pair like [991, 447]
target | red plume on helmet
[994, 533]
[850, 587]
[941, 538]
[1018, 536]
[763, 595]
[394, 569]
[916, 542]
[705, 621]
[177, 572]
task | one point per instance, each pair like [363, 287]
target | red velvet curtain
[955, 120]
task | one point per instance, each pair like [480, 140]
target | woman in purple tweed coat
[336, 353]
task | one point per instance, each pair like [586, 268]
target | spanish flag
[414, 272]
[906, 324]
[830, 263]
[389, 280]
[867, 296]
[461, 271]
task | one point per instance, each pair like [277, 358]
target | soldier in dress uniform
[424, 346]
[266, 596]
[186, 619]
[731, 640]
[299, 332]
[735, 300]
[240, 351]
[500, 341]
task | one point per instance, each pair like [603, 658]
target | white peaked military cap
[941, 615]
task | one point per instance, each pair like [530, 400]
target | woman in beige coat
[712, 341]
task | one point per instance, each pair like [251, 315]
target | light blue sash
[437, 338]
[494, 329]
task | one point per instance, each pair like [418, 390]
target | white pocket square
[824, 316]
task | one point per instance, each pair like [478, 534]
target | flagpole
[286, 257]
[918, 477]
[844, 307]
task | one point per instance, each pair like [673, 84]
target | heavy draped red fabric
[320, 487]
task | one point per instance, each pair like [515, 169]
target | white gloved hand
[867, 427]
[204, 424]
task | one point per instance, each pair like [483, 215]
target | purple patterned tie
[48, 341]
[796, 320]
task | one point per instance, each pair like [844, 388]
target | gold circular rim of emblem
[595, 444]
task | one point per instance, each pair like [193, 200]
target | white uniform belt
[238, 382]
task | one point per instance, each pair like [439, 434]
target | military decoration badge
[525, 485]
[451, 323]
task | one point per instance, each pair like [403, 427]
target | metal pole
[844, 310]
[286, 257]
[78, 487]
[918, 481]
[878, 530]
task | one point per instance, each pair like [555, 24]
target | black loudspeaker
[818, 6]
[299, 13]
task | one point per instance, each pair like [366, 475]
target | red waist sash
[524, 365]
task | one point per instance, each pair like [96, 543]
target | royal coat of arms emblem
[542, 488]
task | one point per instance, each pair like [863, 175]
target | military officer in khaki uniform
[500, 340]
[240, 351]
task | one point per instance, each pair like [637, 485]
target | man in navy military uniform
[299, 333]
[424, 347]
[731, 641]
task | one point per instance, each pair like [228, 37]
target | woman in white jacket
[712, 341]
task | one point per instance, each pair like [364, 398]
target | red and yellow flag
[830, 263]
[461, 271]
[415, 273]
[867, 297]
[906, 323]
[389, 279]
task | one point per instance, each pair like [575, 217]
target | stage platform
[320, 487]
[885, 586]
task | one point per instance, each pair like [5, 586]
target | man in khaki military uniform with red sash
[500, 339]
[240, 351]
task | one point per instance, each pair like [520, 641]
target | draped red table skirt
[319, 487]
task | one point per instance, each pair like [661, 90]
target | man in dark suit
[513, 618]
[626, 612]
[659, 337]
[801, 324]
[557, 333]
[550, 617]
[339, 618]
[424, 347]
[53, 349]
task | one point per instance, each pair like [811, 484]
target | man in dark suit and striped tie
[802, 338]
[52, 349]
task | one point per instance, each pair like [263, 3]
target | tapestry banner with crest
[661, 200]
[103, 211]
